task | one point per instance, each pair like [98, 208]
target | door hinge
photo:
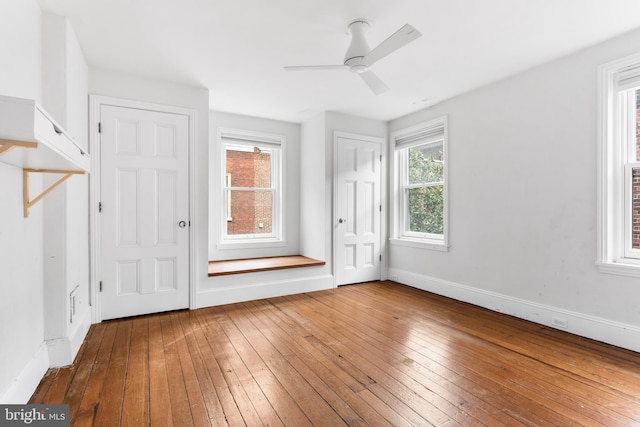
[380, 257]
[99, 127]
[100, 286]
[380, 157]
[380, 208]
[99, 206]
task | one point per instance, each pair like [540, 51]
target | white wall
[23, 355]
[522, 170]
[313, 210]
[66, 228]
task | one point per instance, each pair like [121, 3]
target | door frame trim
[383, 200]
[95, 104]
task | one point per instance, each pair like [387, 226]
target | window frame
[429, 132]
[276, 144]
[617, 82]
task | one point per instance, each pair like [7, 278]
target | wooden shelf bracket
[27, 204]
[8, 145]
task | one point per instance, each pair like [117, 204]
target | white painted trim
[255, 291]
[277, 141]
[62, 351]
[77, 336]
[610, 185]
[95, 102]
[420, 244]
[396, 223]
[620, 269]
[59, 352]
[382, 232]
[23, 386]
[608, 331]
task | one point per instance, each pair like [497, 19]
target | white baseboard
[20, 391]
[62, 351]
[80, 332]
[233, 294]
[600, 329]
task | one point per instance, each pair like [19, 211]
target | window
[420, 182]
[251, 185]
[619, 168]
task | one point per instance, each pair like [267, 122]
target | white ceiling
[237, 48]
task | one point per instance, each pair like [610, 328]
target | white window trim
[398, 236]
[226, 136]
[612, 189]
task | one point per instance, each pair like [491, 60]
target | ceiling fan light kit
[360, 57]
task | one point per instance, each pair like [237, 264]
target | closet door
[144, 217]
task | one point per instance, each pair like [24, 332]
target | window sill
[631, 270]
[421, 244]
[253, 265]
[250, 244]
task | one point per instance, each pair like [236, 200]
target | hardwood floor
[378, 354]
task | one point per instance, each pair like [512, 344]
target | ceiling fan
[359, 57]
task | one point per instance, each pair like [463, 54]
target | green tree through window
[425, 195]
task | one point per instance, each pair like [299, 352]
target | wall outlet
[559, 322]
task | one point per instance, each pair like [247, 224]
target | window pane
[637, 117]
[249, 167]
[251, 212]
[426, 163]
[426, 209]
[635, 208]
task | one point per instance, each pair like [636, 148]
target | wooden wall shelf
[32, 140]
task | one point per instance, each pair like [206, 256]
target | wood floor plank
[342, 343]
[159, 399]
[455, 391]
[231, 411]
[308, 361]
[263, 353]
[277, 401]
[378, 354]
[88, 407]
[235, 374]
[505, 376]
[452, 412]
[213, 406]
[558, 385]
[84, 365]
[194, 393]
[113, 390]
[135, 405]
[179, 400]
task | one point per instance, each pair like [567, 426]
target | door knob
[340, 220]
[182, 224]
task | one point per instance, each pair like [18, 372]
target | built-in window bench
[253, 265]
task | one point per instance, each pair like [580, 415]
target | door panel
[357, 225]
[144, 159]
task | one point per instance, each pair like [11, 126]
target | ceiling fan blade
[403, 36]
[374, 82]
[315, 67]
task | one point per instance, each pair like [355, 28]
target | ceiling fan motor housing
[354, 58]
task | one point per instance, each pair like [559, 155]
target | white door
[144, 214]
[357, 209]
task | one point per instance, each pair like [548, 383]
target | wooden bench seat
[252, 265]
